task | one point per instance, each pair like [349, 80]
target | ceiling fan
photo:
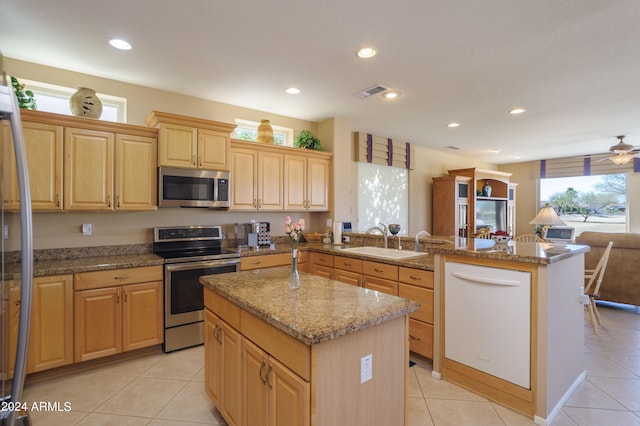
[622, 152]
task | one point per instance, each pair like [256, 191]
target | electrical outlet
[329, 223]
[366, 368]
[5, 232]
[86, 229]
[346, 239]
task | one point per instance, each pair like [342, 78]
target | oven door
[184, 295]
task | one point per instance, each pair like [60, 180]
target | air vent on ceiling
[378, 88]
[454, 147]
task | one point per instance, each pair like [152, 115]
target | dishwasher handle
[487, 281]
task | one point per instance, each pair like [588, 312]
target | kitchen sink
[385, 253]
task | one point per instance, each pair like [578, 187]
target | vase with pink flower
[294, 230]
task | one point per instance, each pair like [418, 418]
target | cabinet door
[244, 194]
[136, 173]
[380, 284]
[142, 319]
[213, 150]
[255, 408]
[88, 169]
[322, 271]
[230, 374]
[317, 184]
[295, 182]
[270, 181]
[98, 323]
[289, 396]
[347, 277]
[51, 335]
[212, 357]
[177, 146]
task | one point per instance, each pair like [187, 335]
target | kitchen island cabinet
[302, 349]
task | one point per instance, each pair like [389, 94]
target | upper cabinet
[275, 178]
[469, 199]
[191, 143]
[77, 163]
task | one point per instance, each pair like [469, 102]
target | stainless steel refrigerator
[14, 248]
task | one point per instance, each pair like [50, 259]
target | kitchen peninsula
[301, 357]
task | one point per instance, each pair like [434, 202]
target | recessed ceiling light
[293, 90]
[516, 111]
[495, 150]
[367, 52]
[453, 124]
[391, 95]
[120, 44]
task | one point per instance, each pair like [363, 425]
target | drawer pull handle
[415, 278]
[122, 277]
[414, 337]
[347, 264]
[57, 200]
[264, 364]
[268, 375]
[378, 270]
[257, 262]
[118, 296]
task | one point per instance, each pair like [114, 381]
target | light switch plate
[86, 229]
[366, 368]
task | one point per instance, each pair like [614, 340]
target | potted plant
[306, 140]
[26, 98]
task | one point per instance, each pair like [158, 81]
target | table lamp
[546, 217]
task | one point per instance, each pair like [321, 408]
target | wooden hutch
[460, 207]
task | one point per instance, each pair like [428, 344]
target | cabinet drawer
[418, 277]
[322, 271]
[381, 270]
[421, 338]
[265, 261]
[116, 277]
[347, 277]
[322, 259]
[423, 296]
[381, 285]
[228, 311]
[348, 264]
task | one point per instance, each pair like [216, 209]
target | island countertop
[320, 310]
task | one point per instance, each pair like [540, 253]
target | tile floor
[167, 389]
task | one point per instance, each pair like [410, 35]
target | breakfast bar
[326, 353]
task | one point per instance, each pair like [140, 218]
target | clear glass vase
[294, 277]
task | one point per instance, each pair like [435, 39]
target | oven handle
[202, 264]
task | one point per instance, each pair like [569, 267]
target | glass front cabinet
[469, 200]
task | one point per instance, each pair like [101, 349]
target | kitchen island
[510, 322]
[327, 353]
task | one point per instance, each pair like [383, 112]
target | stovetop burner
[190, 243]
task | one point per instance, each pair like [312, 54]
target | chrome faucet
[382, 230]
[417, 248]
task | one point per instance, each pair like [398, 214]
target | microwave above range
[193, 188]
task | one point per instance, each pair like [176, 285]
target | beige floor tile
[180, 365]
[511, 418]
[442, 389]
[144, 397]
[562, 419]
[413, 387]
[418, 412]
[597, 417]
[51, 418]
[132, 367]
[589, 395]
[199, 376]
[85, 391]
[191, 404]
[98, 419]
[630, 362]
[446, 412]
[606, 365]
[625, 391]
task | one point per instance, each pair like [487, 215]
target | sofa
[621, 281]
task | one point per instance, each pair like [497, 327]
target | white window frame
[285, 132]
[387, 197]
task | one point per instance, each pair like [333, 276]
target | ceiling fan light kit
[622, 152]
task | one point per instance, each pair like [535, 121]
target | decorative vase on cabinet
[265, 132]
[85, 103]
[486, 190]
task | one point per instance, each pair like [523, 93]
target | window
[51, 98]
[588, 203]
[248, 131]
[383, 196]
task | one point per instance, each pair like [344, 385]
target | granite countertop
[320, 310]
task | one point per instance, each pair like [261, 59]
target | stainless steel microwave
[193, 188]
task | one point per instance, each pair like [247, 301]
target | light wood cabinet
[272, 260]
[306, 183]
[257, 180]
[136, 176]
[190, 142]
[116, 311]
[222, 367]
[463, 207]
[365, 273]
[322, 265]
[51, 335]
[272, 394]
[417, 285]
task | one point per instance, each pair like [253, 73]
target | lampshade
[547, 216]
[621, 158]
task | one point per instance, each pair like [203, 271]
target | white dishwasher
[487, 320]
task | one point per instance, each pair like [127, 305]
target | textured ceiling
[573, 64]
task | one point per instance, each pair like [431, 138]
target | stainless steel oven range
[189, 252]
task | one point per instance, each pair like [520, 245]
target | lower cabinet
[271, 260]
[321, 265]
[112, 318]
[222, 367]
[417, 285]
